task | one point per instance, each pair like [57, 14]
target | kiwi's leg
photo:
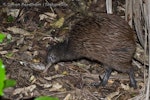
[132, 79]
[105, 78]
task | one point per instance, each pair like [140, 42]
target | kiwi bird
[107, 39]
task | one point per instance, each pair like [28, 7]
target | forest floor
[24, 55]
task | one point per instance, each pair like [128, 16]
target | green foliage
[10, 19]
[46, 98]
[2, 37]
[2, 77]
[4, 83]
[9, 83]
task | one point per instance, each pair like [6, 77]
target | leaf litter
[65, 80]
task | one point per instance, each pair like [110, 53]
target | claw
[106, 76]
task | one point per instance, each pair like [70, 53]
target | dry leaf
[56, 87]
[110, 96]
[20, 41]
[56, 67]
[47, 85]
[53, 77]
[68, 97]
[13, 12]
[24, 90]
[58, 23]
[16, 30]
[125, 87]
[3, 52]
[47, 15]
[32, 79]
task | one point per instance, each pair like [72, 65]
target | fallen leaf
[32, 79]
[3, 52]
[24, 90]
[125, 87]
[110, 96]
[53, 77]
[58, 23]
[55, 87]
[56, 67]
[47, 15]
[68, 97]
[16, 30]
[13, 12]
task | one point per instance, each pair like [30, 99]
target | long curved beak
[47, 67]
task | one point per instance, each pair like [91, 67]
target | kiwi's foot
[103, 81]
[132, 80]
[97, 84]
